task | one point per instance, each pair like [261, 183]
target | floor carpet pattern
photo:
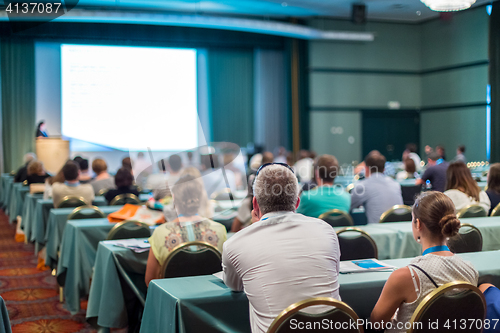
[31, 295]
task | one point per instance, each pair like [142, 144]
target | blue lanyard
[436, 249]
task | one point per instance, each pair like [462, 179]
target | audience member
[127, 163]
[463, 189]
[441, 152]
[58, 178]
[410, 171]
[460, 155]
[159, 180]
[325, 196]
[389, 169]
[102, 180]
[175, 163]
[304, 167]
[434, 220]
[493, 190]
[244, 217]
[284, 257]
[124, 184]
[213, 177]
[71, 187]
[492, 297]
[411, 152]
[190, 158]
[22, 172]
[188, 227]
[280, 155]
[85, 176]
[36, 173]
[435, 172]
[267, 157]
[377, 192]
[141, 169]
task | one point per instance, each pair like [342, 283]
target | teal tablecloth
[41, 216]
[106, 306]
[28, 217]
[78, 252]
[193, 304]
[5, 180]
[4, 318]
[55, 227]
[395, 240]
[17, 194]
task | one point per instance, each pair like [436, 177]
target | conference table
[205, 304]
[27, 217]
[4, 318]
[56, 224]
[7, 183]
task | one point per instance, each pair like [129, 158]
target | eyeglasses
[268, 164]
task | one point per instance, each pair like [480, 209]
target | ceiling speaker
[358, 13]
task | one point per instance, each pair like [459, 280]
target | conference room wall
[348, 77]
[457, 51]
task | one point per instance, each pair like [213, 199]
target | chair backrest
[192, 259]
[340, 313]
[398, 213]
[224, 194]
[86, 212]
[103, 191]
[129, 229]
[472, 211]
[409, 193]
[468, 239]
[25, 183]
[337, 218]
[127, 198]
[356, 244]
[349, 188]
[496, 211]
[453, 302]
[70, 201]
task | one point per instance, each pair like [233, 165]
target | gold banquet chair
[397, 213]
[337, 218]
[472, 211]
[102, 191]
[86, 212]
[341, 313]
[468, 239]
[72, 201]
[129, 229]
[127, 198]
[192, 259]
[496, 211]
[356, 243]
[451, 303]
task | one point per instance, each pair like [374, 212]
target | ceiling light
[448, 5]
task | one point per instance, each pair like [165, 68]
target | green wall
[438, 67]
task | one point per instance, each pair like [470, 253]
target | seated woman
[188, 227]
[409, 172]
[36, 173]
[493, 190]
[102, 179]
[462, 188]
[123, 181]
[58, 178]
[434, 220]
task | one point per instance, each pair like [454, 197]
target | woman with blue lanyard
[434, 220]
[189, 226]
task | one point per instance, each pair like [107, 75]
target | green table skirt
[204, 303]
[4, 318]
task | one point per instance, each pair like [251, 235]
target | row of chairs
[119, 200]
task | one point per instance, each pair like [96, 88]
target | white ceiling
[396, 10]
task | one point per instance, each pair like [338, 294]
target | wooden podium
[53, 152]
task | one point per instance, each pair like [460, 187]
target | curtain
[230, 95]
[270, 87]
[494, 75]
[18, 100]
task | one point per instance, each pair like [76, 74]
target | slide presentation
[130, 98]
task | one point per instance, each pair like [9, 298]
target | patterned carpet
[31, 295]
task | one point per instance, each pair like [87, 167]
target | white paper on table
[352, 267]
[219, 275]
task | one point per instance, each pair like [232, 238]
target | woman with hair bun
[434, 220]
[187, 194]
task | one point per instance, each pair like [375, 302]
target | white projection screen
[130, 98]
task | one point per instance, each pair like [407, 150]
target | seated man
[325, 196]
[283, 257]
[435, 172]
[377, 192]
[71, 187]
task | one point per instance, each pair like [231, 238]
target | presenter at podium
[40, 130]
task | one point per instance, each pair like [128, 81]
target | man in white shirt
[71, 187]
[283, 257]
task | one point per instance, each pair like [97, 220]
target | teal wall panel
[455, 127]
[337, 133]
